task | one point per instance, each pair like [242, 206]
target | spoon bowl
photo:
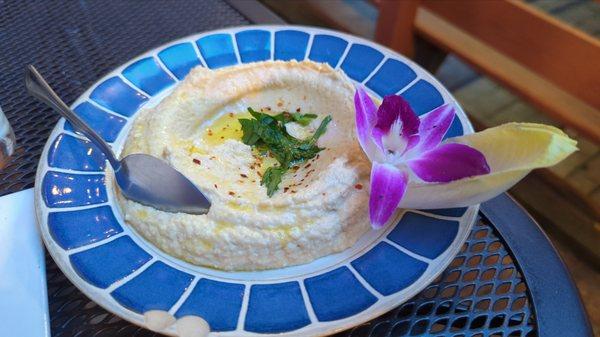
[142, 178]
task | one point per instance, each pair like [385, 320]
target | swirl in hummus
[321, 207]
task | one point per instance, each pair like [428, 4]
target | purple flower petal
[387, 188]
[392, 108]
[365, 121]
[434, 126]
[449, 162]
[413, 141]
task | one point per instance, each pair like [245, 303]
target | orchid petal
[394, 110]
[365, 121]
[388, 184]
[449, 162]
[434, 126]
[511, 150]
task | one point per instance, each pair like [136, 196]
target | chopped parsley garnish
[267, 133]
[302, 119]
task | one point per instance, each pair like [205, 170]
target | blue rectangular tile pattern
[387, 269]
[72, 153]
[360, 61]
[455, 129]
[328, 295]
[219, 303]
[217, 50]
[327, 49]
[254, 45]
[74, 229]
[424, 235]
[180, 59]
[290, 45]
[276, 308]
[70, 190]
[115, 95]
[103, 265]
[156, 288]
[391, 77]
[148, 75]
[105, 124]
[424, 97]
[454, 212]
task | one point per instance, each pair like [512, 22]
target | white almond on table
[192, 326]
[158, 320]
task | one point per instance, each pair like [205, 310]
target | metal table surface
[507, 280]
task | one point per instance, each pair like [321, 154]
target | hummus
[321, 205]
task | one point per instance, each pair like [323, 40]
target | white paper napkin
[23, 294]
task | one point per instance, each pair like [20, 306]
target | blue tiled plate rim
[382, 305]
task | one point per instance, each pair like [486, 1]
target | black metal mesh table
[506, 281]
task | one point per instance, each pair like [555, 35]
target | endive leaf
[512, 150]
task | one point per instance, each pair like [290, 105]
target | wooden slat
[395, 25]
[541, 92]
[562, 54]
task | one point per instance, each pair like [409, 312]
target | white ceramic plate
[85, 233]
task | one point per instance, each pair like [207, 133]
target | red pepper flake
[285, 189]
[358, 186]
[293, 191]
[279, 104]
[307, 165]
[243, 175]
[213, 157]
[231, 114]
[222, 137]
[268, 108]
[217, 187]
[298, 110]
[296, 167]
[210, 133]
[253, 180]
[323, 193]
[318, 155]
[196, 161]
[231, 193]
[259, 174]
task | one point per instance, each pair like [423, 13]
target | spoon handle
[39, 88]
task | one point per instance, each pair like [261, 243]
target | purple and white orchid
[403, 146]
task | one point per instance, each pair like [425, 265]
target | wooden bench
[550, 64]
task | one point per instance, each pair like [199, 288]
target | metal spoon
[141, 177]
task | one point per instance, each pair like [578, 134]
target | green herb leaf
[302, 119]
[321, 129]
[249, 127]
[268, 134]
[272, 178]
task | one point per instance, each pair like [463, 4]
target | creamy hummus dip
[321, 205]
